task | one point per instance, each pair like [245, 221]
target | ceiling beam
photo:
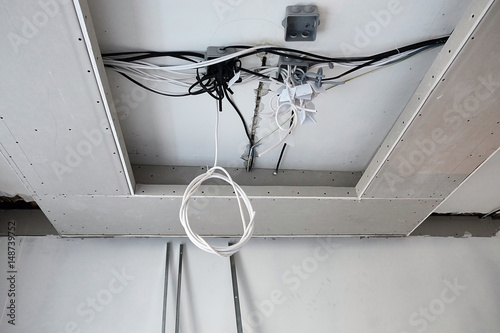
[451, 124]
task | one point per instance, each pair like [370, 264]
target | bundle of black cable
[216, 80]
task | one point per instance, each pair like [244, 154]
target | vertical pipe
[236, 295]
[179, 280]
[165, 288]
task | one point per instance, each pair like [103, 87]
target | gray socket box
[301, 23]
[214, 52]
[284, 62]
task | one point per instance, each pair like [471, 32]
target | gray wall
[397, 285]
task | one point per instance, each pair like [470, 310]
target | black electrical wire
[276, 170]
[215, 81]
[153, 54]
[321, 58]
[316, 58]
[421, 49]
[279, 159]
[216, 77]
[357, 68]
[240, 115]
[255, 73]
[207, 84]
[221, 73]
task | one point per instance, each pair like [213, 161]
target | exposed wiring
[290, 108]
[311, 57]
[276, 170]
[117, 60]
[229, 98]
[186, 73]
[287, 132]
[191, 75]
[168, 94]
[375, 69]
[131, 64]
[201, 64]
[199, 241]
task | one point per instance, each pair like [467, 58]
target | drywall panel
[455, 126]
[280, 211]
[75, 285]
[10, 184]
[56, 122]
[350, 285]
[479, 193]
[353, 119]
[178, 175]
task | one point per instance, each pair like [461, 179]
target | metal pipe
[236, 295]
[165, 289]
[179, 280]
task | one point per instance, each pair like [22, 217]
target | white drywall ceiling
[10, 185]
[352, 119]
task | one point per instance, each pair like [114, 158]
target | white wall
[83, 285]
[480, 193]
[415, 284]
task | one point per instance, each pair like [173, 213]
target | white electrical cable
[201, 64]
[288, 132]
[154, 77]
[139, 68]
[200, 242]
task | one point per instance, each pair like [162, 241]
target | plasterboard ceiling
[9, 182]
[60, 135]
[352, 119]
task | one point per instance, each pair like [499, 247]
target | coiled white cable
[200, 242]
